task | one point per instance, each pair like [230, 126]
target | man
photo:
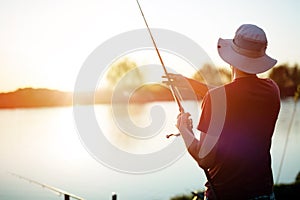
[237, 122]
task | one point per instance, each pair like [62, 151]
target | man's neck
[240, 74]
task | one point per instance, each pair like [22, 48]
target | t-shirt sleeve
[205, 115]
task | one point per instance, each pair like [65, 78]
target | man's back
[242, 164]
[237, 122]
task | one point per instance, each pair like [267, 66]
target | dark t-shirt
[241, 168]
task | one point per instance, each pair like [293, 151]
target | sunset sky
[43, 43]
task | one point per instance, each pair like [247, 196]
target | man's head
[247, 51]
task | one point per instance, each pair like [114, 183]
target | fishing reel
[190, 124]
[170, 135]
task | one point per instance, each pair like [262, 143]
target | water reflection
[129, 138]
[43, 144]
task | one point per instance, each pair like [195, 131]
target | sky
[43, 43]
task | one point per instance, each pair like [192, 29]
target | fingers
[173, 76]
[174, 79]
[183, 120]
[184, 115]
[167, 82]
[169, 79]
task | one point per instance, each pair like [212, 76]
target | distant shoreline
[41, 97]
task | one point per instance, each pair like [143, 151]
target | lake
[45, 145]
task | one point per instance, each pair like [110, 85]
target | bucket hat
[247, 51]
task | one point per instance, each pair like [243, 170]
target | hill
[29, 97]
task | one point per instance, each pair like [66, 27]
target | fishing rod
[173, 91]
[172, 87]
[66, 195]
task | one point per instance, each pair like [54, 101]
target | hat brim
[243, 63]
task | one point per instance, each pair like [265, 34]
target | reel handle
[170, 135]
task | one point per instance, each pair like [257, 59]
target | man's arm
[199, 88]
[193, 145]
[180, 81]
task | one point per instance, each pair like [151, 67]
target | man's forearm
[199, 88]
[192, 144]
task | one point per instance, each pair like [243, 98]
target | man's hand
[181, 82]
[184, 122]
[185, 127]
[177, 80]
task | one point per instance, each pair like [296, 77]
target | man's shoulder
[259, 86]
[216, 94]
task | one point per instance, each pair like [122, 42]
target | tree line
[286, 76]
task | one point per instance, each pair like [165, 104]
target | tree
[124, 67]
[212, 76]
[287, 79]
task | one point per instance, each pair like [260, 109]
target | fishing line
[296, 96]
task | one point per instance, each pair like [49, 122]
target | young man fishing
[237, 122]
